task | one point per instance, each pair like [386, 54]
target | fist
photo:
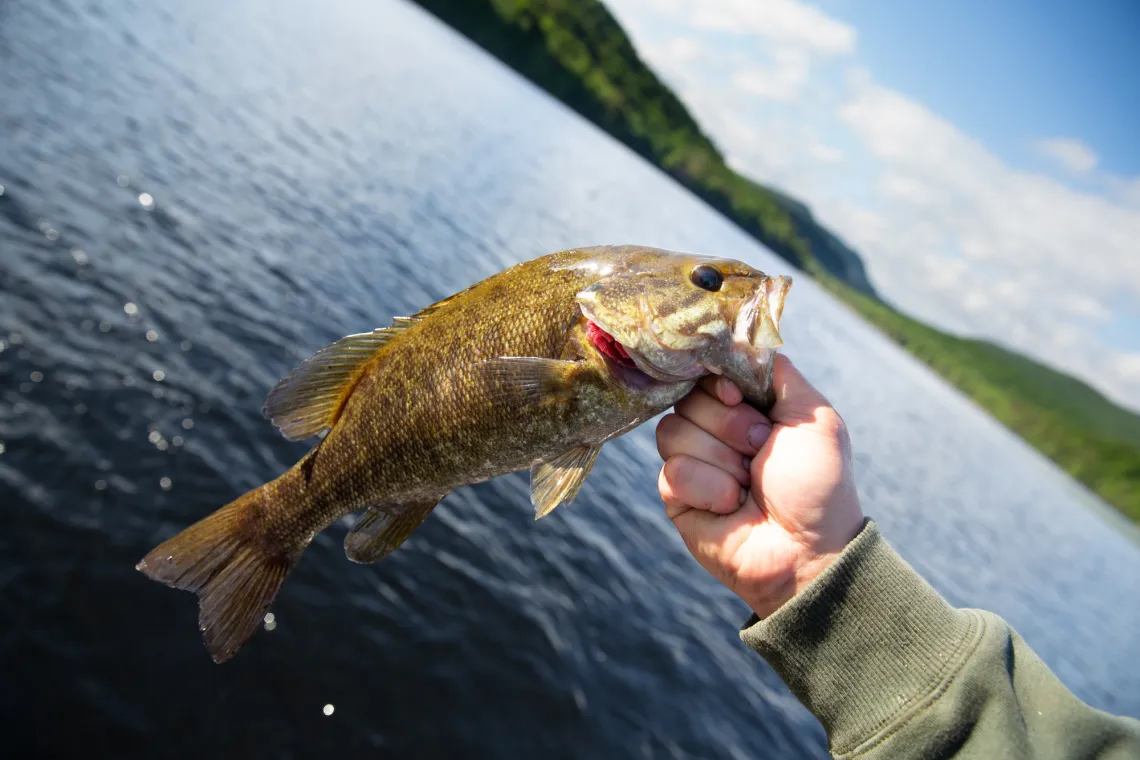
[764, 503]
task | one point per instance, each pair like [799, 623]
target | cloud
[791, 23]
[1126, 190]
[783, 80]
[790, 34]
[825, 154]
[683, 49]
[1070, 154]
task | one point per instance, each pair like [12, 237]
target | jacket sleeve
[892, 670]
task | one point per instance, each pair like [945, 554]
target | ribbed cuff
[867, 644]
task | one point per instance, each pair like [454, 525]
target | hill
[579, 53]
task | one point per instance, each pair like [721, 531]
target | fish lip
[758, 321]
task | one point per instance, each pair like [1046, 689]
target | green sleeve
[891, 670]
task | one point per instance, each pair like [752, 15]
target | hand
[763, 503]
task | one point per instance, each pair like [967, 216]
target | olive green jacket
[892, 670]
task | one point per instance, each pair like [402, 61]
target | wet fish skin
[500, 377]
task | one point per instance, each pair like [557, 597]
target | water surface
[199, 195]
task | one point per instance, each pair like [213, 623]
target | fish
[537, 366]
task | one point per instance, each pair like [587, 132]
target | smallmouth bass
[535, 367]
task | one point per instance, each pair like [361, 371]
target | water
[211, 191]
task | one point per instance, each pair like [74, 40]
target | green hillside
[579, 53]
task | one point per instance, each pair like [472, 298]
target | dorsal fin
[311, 397]
[427, 311]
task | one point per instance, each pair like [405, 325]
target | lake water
[196, 196]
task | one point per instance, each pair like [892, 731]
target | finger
[722, 389]
[741, 427]
[712, 535]
[799, 404]
[674, 506]
[691, 483]
[677, 435]
[796, 398]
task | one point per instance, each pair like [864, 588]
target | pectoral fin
[531, 379]
[381, 529]
[557, 481]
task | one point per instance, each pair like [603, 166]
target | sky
[982, 157]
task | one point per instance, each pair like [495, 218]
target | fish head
[680, 316]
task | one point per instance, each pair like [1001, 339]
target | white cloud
[789, 22]
[905, 188]
[790, 33]
[1122, 375]
[683, 49]
[825, 154]
[1072, 155]
[783, 80]
[1124, 190]
[1128, 365]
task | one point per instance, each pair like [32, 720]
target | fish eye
[707, 277]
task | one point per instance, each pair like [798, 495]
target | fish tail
[234, 565]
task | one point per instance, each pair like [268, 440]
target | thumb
[797, 401]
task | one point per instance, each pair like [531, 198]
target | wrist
[775, 594]
[809, 563]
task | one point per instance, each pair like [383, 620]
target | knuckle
[667, 429]
[674, 471]
[830, 423]
[726, 498]
[663, 434]
[663, 487]
[736, 422]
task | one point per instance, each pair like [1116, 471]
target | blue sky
[1012, 70]
[980, 156]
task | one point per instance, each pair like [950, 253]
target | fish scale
[518, 371]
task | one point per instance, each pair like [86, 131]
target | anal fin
[558, 480]
[382, 529]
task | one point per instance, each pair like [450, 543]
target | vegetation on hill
[579, 53]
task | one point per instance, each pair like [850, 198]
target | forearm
[892, 670]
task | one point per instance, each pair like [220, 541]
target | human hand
[763, 503]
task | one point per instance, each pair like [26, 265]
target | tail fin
[233, 566]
